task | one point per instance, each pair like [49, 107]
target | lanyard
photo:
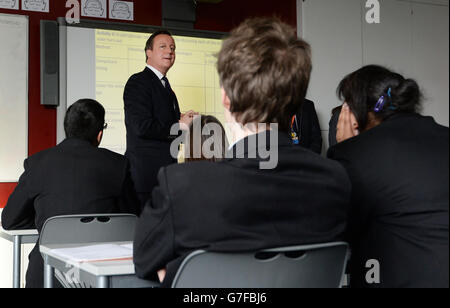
[294, 135]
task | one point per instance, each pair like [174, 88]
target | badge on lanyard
[294, 135]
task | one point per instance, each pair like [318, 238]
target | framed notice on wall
[13, 96]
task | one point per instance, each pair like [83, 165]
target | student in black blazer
[332, 126]
[151, 109]
[75, 177]
[399, 169]
[249, 201]
[305, 128]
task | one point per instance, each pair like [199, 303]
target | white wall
[412, 38]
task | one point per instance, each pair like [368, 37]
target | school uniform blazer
[150, 112]
[72, 178]
[400, 200]
[233, 206]
[308, 128]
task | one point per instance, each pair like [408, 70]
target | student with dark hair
[332, 125]
[398, 164]
[75, 177]
[206, 130]
[151, 109]
[85, 120]
[250, 200]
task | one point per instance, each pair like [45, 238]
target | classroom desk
[104, 274]
[18, 237]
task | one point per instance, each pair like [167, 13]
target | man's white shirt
[158, 73]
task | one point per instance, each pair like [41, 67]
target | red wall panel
[42, 120]
[228, 14]
[215, 17]
[5, 190]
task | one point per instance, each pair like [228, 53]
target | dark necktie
[166, 84]
[168, 88]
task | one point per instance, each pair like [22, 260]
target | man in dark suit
[305, 128]
[151, 109]
[251, 200]
[75, 177]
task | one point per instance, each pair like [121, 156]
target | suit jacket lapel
[170, 95]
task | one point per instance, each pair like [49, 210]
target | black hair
[362, 89]
[336, 110]
[84, 120]
[149, 44]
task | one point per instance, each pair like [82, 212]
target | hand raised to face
[347, 125]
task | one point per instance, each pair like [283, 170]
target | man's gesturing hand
[186, 119]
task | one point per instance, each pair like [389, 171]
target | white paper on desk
[129, 246]
[102, 252]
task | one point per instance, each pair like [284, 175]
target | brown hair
[219, 152]
[265, 70]
[149, 43]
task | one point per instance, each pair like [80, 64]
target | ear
[225, 100]
[99, 137]
[355, 124]
[148, 53]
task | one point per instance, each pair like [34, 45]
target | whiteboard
[13, 96]
[98, 63]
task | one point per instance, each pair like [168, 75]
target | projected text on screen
[120, 54]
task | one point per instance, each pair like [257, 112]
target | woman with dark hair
[397, 161]
[206, 129]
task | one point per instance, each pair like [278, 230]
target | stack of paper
[98, 252]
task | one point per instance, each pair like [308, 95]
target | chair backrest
[96, 228]
[309, 266]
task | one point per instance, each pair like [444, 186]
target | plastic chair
[76, 229]
[308, 266]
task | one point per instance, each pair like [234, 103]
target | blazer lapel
[167, 93]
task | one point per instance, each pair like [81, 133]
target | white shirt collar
[158, 73]
[237, 141]
[231, 146]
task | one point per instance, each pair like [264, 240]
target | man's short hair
[265, 69]
[149, 44]
[84, 120]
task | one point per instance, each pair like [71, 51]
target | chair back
[95, 228]
[308, 266]
[85, 229]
